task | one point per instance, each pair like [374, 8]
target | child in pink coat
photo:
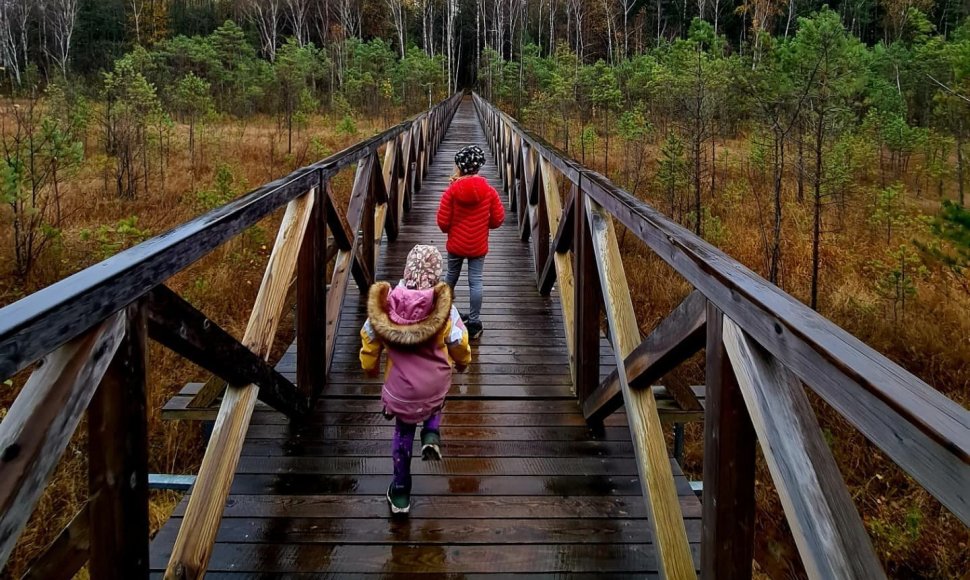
[424, 336]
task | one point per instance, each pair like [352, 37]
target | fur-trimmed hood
[407, 317]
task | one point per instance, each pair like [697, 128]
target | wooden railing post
[540, 219]
[727, 537]
[587, 303]
[311, 301]
[368, 227]
[118, 460]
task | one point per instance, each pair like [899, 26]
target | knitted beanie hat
[470, 159]
[423, 268]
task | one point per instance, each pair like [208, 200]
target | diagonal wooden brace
[178, 325]
[561, 243]
[674, 340]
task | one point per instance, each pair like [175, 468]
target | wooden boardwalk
[524, 486]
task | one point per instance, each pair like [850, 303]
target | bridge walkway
[524, 487]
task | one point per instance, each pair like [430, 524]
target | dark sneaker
[475, 329]
[464, 317]
[399, 500]
[430, 446]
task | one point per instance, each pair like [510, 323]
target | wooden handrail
[925, 433]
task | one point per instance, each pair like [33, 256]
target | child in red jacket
[470, 207]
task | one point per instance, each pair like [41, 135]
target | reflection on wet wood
[525, 486]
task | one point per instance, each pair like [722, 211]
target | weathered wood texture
[118, 459]
[43, 418]
[925, 433]
[67, 553]
[674, 340]
[828, 531]
[656, 477]
[589, 296]
[271, 298]
[727, 546]
[311, 302]
[525, 486]
[175, 323]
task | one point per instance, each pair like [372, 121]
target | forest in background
[822, 146]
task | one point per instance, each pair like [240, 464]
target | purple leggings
[402, 445]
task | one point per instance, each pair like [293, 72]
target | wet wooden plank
[451, 485]
[434, 531]
[324, 433]
[727, 546]
[444, 507]
[532, 466]
[676, 338]
[656, 477]
[431, 559]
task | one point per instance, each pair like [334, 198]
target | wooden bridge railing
[88, 336]
[761, 346]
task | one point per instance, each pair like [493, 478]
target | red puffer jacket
[469, 208]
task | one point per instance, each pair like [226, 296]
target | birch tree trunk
[266, 15]
[397, 15]
[297, 14]
[14, 15]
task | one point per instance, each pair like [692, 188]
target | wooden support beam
[342, 233]
[533, 176]
[268, 308]
[588, 300]
[540, 236]
[561, 243]
[311, 304]
[407, 158]
[368, 245]
[829, 534]
[178, 325]
[677, 338]
[360, 215]
[118, 459]
[395, 209]
[650, 447]
[338, 288]
[728, 518]
[42, 419]
[66, 554]
[563, 262]
[193, 545]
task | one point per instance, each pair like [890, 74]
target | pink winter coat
[423, 334]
